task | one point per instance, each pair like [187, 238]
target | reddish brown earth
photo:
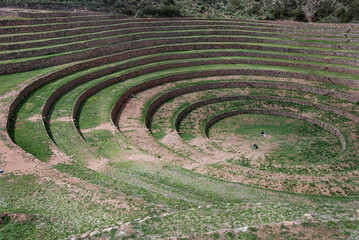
[16, 217]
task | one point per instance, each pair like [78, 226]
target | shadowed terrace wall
[195, 36]
[202, 87]
[97, 52]
[21, 22]
[343, 28]
[118, 107]
[131, 28]
[149, 23]
[30, 88]
[88, 77]
[106, 60]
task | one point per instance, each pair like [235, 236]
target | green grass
[14, 81]
[199, 37]
[31, 136]
[195, 203]
[31, 110]
[308, 142]
[184, 31]
[70, 142]
[27, 132]
[191, 214]
[107, 97]
[214, 28]
[58, 211]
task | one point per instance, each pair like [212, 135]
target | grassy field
[106, 171]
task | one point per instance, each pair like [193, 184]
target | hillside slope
[144, 128]
[299, 10]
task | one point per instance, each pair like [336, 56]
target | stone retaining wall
[333, 28]
[149, 23]
[50, 77]
[106, 60]
[66, 87]
[20, 22]
[187, 45]
[118, 107]
[136, 27]
[190, 108]
[202, 87]
[47, 6]
[195, 36]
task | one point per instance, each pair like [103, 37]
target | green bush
[164, 11]
[299, 15]
[353, 10]
[288, 10]
[343, 16]
[237, 4]
[255, 9]
[323, 10]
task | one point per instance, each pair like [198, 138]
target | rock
[107, 229]
[95, 233]
[146, 218]
[164, 214]
[84, 235]
[128, 224]
[287, 223]
[241, 229]
[121, 234]
[308, 216]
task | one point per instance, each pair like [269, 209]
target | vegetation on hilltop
[299, 10]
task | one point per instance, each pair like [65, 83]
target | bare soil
[104, 126]
[16, 217]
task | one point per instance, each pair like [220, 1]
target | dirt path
[134, 130]
[104, 126]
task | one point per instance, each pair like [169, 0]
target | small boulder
[95, 233]
[287, 223]
[121, 234]
[107, 229]
[84, 235]
[241, 229]
[308, 217]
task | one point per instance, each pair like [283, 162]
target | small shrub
[323, 10]
[255, 9]
[299, 15]
[164, 11]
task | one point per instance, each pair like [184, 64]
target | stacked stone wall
[97, 52]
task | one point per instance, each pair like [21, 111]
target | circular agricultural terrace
[196, 93]
[149, 126]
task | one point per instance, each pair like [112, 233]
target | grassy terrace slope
[144, 128]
